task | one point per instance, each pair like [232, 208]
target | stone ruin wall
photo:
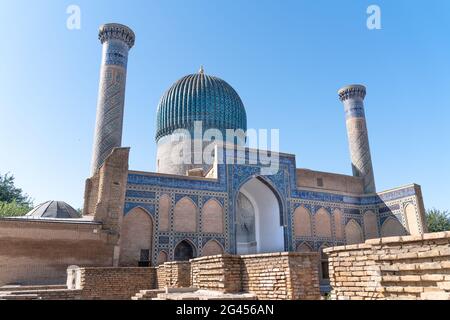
[282, 276]
[110, 283]
[273, 276]
[278, 276]
[409, 267]
[173, 275]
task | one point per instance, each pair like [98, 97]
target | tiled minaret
[117, 40]
[353, 99]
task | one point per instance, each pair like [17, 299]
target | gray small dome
[54, 209]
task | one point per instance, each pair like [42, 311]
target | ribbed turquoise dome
[200, 97]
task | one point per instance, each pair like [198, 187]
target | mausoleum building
[231, 204]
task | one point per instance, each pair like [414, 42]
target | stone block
[430, 266]
[410, 278]
[432, 277]
[445, 285]
[435, 295]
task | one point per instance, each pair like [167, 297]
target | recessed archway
[212, 248]
[184, 251]
[303, 247]
[162, 258]
[392, 227]
[259, 225]
[136, 238]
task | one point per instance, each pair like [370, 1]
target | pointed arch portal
[259, 223]
[184, 251]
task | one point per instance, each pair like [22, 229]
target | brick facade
[39, 252]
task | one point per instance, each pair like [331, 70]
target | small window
[145, 258]
[325, 274]
[320, 182]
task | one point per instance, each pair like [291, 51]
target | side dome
[200, 97]
[54, 209]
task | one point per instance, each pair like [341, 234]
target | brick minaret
[353, 99]
[117, 40]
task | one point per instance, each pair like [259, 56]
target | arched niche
[302, 222]
[323, 223]
[353, 232]
[185, 216]
[212, 248]
[164, 210]
[304, 247]
[136, 238]
[392, 227]
[184, 251]
[212, 217]
[371, 225]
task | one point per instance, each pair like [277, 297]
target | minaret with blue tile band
[117, 40]
[353, 99]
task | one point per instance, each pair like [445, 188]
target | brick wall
[409, 267]
[282, 276]
[104, 197]
[113, 283]
[161, 277]
[38, 252]
[105, 193]
[176, 274]
[220, 272]
[272, 276]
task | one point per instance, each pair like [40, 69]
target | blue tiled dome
[200, 97]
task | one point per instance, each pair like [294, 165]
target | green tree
[13, 209]
[10, 193]
[438, 220]
[13, 201]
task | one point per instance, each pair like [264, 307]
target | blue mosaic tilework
[179, 182]
[363, 200]
[180, 196]
[164, 240]
[389, 208]
[397, 194]
[140, 194]
[347, 220]
[325, 197]
[150, 208]
[221, 200]
[116, 53]
[384, 218]
[284, 181]
[354, 111]
[352, 211]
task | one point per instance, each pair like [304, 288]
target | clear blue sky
[286, 59]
